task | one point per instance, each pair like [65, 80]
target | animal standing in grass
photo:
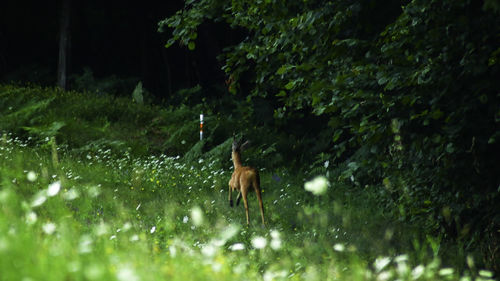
[243, 179]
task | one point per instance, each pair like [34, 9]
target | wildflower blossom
[237, 247]
[381, 263]
[276, 240]
[31, 176]
[126, 274]
[53, 188]
[317, 186]
[39, 199]
[49, 228]
[197, 216]
[339, 247]
[31, 218]
[259, 242]
[417, 272]
[71, 194]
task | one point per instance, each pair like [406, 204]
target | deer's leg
[259, 198]
[238, 198]
[244, 192]
[230, 197]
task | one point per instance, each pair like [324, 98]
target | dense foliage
[410, 94]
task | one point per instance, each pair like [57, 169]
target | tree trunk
[64, 44]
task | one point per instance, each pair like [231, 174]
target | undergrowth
[103, 217]
[84, 200]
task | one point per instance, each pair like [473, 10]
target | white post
[201, 126]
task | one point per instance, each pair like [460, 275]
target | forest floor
[103, 215]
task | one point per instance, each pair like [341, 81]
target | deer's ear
[244, 145]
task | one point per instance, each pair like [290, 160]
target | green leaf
[170, 42]
[290, 85]
[281, 94]
[337, 135]
[283, 69]
[382, 80]
[436, 114]
[191, 45]
[449, 148]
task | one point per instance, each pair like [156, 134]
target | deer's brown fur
[244, 179]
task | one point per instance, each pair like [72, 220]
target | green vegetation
[92, 188]
[403, 94]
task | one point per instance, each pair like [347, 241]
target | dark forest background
[113, 45]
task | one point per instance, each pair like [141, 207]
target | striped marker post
[201, 126]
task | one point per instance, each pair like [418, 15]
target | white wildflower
[401, 258]
[228, 233]
[39, 198]
[270, 275]
[339, 247]
[71, 194]
[259, 242]
[126, 274]
[384, 275]
[275, 240]
[101, 229]
[53, 188]
[127, 226]
[209, 250]
[197, 216]
[317, 186]
[173, 251]
[94, 190]
[417, 272]
[31, 218]
[85, 245]
[275, 244]
[31, 176]
[153, 229]
[49, 228]
[381, 263]
[237, 247]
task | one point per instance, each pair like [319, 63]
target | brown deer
[243, 179]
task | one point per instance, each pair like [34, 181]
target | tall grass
[103, 216]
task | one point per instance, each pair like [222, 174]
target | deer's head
[238, 146]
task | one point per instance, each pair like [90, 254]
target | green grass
[111, 200]
[121, 217]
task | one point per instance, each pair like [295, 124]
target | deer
[243, 179]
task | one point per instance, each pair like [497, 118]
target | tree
[64, 44]
[410, 94]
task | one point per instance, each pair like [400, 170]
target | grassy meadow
[113, 211]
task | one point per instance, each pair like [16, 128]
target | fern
[25, 115]
[46, 131]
